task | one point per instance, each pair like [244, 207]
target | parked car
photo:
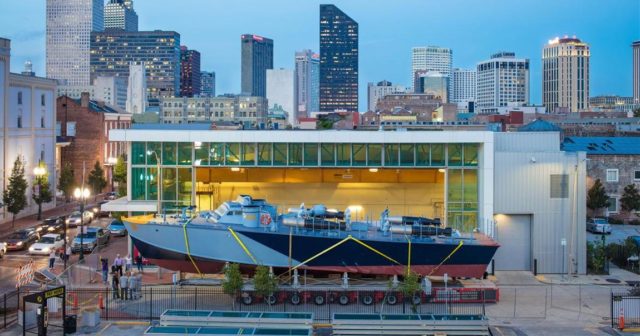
[598, 225]
[74, 218]
[46, 244]
[97, 210]
[92, 238]
[3, 249]
[21, 239]
[51, 224]
[117, 228]
[111, 196]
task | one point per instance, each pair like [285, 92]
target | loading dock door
[514, 236]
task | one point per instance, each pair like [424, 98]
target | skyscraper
[636, 72]
[113, 51]
[69, 25]
[435, 84]
[207, 84]
[307, 74]
[431, 58]
[257, 57]
[502, 80]
[119, 14]
[281, 92]
[377, 91]
[565, 75]
[137, 89]
[464, 86]
[338, 60]
[189, 72]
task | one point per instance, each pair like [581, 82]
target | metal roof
[539, 125]
[603, 145]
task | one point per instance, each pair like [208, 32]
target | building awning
[124, 205]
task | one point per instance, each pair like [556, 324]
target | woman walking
[115, 283]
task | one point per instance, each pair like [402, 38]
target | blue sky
[388, 30]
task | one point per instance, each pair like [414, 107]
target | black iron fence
[625, 310]
[9, 305]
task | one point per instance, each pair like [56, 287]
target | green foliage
[630, 200]
[264, 282]
[66, 182]
[15, 196]
[118, 214]
[410, 285]
[43, 194]
[324, 124]
[596, 257]
[636, 113]
[96, 179]
[120, 175]
[232, 283]
[597, 197]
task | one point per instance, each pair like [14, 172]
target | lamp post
[82, 194]
[158, 176]
[111, 162]
[39, 172]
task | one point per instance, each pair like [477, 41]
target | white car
[3, 249]
[74, 218]
[46, 244]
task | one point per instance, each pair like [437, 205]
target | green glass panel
[216, 154]
[470, 186]
[168, 184]
[391, 154]
[406, 155]
[184, 185]
[184, 153]
[454, 185]
[279, 154]
[374, 155]
[264, 154]
[327, 155]
[422, 155]
[232, 154]
[359, 155]
[153, 147]
[343, 154]
[437, 155]
[471, 154]
[295, 154]
[455, 206]
[310, 154]
[248, 154]
[470, 221]
[202, 153]
[455, 220]
[138, 179]
[463, 221]
[455, 155]
[138, 153]
[169, 153]
[152, 183]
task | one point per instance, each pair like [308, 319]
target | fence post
[5, 310]
[612, 318]
[106, 306]
[515, 297]
[150, 304]
[196, 299]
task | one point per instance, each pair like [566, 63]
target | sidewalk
[617, 276]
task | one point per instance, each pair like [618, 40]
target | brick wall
[625, 164]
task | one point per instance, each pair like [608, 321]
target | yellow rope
[186, 243]
[374, 250]
[409, 258]
[244, 247]
[447, 258]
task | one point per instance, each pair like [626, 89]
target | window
[43, 100]
[612, 175]
[19, 121]
[71, 128]
[58, 129]
[613, 205]
[19, 98]
[636, 175]
[559, 186]
[41, 122]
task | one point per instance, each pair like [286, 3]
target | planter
[91, 317]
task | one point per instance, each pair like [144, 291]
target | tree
[264, 283]
[96, 179]
[636, 113]
[43, 192]
[66, 183]
[630, 200]
[597, 197]
[15, 195]
[409, 287]
[232, 283]
[120, 175]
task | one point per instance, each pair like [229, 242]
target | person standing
[127, 263]
[115, 284]
[105, 269]
[139, 262]
[52, 259]
[118, 263]
[132, 285]
[124, 285]
[67, 253]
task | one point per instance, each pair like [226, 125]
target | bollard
[100, 301]
[621, 319]
[535, 267]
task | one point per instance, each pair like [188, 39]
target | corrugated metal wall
[527, 142]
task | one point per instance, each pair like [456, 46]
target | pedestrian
[115, 284]
[138, 285]
[52, 259]
[105, 269]
[124, 284]
[127, 263]
[139, 262]
[132, 285]
[67, 253]
[118, 263]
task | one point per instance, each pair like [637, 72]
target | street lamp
[39, 172]
[158, 186]
[82, 194]
[111, 162]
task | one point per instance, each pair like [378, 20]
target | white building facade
[281, 92]
[377, 91]
[501, 80]
[110, 90]
[431, 58]
[565, 75]
[308, 82]
[69, 26]
[137, 89]
[464, 86]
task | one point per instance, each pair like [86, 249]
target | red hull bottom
[210, 267]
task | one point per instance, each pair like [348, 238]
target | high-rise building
[257, 57]
[307, 82]
[464, 86]
[435, 84]
[281, 92]
[377, 91]
[119, 14]
[109, 90]
[250, 111]
[207, 84]
[338, 61]
[636, 72]
[189, 72]
[431, 58]
[69, 24]
[502, 80]
[113, 51]
[137, 89]
[565, 75]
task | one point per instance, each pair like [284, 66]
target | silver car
[598, 225]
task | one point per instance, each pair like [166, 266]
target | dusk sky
[388, 31]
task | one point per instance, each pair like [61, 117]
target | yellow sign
[54, 292]
[398, 118]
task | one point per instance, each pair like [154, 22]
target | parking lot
[618, 234]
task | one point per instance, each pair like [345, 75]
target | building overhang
[124, 205]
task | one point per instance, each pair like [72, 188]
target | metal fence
[9, 303]
[624, 304]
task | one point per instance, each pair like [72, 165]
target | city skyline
[385, 54]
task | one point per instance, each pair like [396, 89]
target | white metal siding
[527, 142]
[514, 236]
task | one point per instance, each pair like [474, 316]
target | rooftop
[603, 145]
[539, 125]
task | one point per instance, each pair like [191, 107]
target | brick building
[85, 124]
